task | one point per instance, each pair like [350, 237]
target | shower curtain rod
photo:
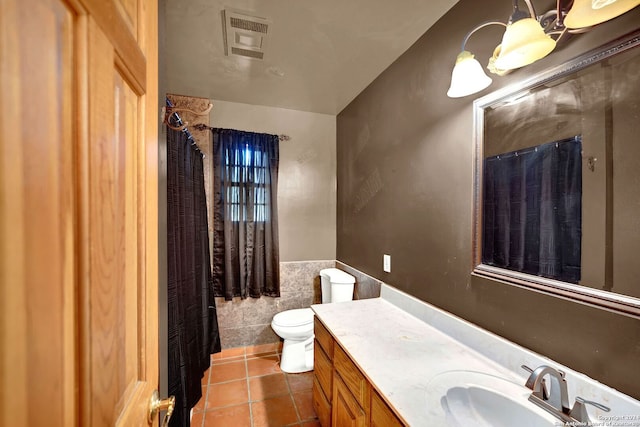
[200, 126]
[169, 110]
[182, 126]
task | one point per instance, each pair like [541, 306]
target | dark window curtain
[193, 326]
[246, 259]
[532, 210]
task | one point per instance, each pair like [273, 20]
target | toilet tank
[337, 285]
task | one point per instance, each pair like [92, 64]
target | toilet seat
[296, 317]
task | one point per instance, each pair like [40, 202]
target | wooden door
[78, 212]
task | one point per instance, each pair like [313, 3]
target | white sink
[469, 398]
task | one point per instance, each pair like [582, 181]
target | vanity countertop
[400, 354]
[409, 349]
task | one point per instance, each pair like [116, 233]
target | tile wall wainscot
[248, 322]
[366, 286]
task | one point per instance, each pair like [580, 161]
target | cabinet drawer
[323, 337]
[352, 377]
[321, 405]
[381, 414]
[323, 369]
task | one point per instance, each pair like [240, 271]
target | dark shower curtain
[193, 326]
[532, 210]
[246, 259]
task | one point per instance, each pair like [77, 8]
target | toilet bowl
[296, 326]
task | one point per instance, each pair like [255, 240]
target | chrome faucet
[558, 396]
[556, 400]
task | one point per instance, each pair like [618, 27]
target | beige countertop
[413, 353]
[400, 354]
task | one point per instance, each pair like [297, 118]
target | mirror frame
[604, 299]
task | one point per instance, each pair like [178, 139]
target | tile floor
[245, 387]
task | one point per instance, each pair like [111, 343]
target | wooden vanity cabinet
[322, 373]
[342, 395]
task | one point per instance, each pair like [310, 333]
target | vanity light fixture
[586, 13]
[467, 76]
[523, 43]
[529, 37]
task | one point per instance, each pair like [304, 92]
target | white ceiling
[320, 55]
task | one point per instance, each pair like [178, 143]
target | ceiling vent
[245, 35]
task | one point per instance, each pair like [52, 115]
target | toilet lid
[297, 317]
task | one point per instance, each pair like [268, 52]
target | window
[247, 190]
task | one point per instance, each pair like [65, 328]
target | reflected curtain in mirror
[246, 258]
[192, 324]
[532, 210]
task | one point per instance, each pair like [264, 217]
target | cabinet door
[381, 414]
[346, 410]
[321, 405]
[323, 368]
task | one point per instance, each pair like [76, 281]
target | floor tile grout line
[227, 361]
[248, 357]
[246, 373]
[295, 405]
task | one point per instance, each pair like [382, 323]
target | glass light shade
[467, 76]
[523, 43]
[491, 66]
[585, 13]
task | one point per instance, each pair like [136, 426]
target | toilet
[296, 326]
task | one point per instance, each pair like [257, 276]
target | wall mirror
[557, 180]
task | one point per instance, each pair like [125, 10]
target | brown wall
[405, 189]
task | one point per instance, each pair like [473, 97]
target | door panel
[78, 212]
[134, 50]
[116, 313]
[120, 375]
[129, 12]
[126, 112]
[37, 236]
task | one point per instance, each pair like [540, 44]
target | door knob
[156, 405]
